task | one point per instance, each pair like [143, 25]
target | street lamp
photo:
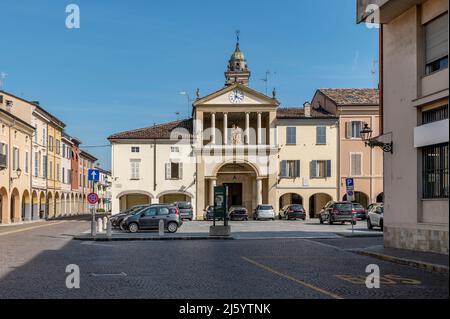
[11, 179]
[366, 135]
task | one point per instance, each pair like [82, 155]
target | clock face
[236, 97]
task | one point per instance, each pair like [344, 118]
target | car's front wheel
[320, 219]
[369, 224]
[381, 224]
[172, 227]
[133, 228]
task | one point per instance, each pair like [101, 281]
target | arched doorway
[50, 206]
[42, 206]
[290, 199]
[380, 198]
[14, 216]
[72, 205]
[244, 189]
[63, 205]
[34, 205]
[3, 206]
[57, 205]
[174, 197]
[26, 206]
[133, 198]
[360, 198]
[317, 202]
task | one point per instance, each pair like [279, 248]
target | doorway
[234, 194]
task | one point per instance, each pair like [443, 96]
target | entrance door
[234, 194]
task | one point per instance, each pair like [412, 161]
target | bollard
[99, 225]
[161, 227]
[105, 222]
[108, 229]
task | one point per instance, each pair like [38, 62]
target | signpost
[92, 198]
[350, 186]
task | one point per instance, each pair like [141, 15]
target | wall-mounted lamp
[11, 179]
[366, 135]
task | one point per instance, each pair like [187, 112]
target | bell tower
[237, 71]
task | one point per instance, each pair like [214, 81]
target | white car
[375, 216]
[264, 211]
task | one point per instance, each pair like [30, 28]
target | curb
[88, 238]
[404, 261]
[357, 235]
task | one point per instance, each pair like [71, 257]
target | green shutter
[328, 168]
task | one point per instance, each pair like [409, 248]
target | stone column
[225, 128]
[247, 128]
[213, 128]
[212, 184]
[258, 191]
[259, 129]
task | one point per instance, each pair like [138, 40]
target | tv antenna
[266, 79]
[3, 76]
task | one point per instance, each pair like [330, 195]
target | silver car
[264, 211]
[375, 216]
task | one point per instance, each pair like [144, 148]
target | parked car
[359, 211]
[371, 205]
[264, 211]
[375, 216]
[186, 210]
[148, 218]
[116, 220]
[294, 211]
[238, 213]
[208, 213]
[337, 212]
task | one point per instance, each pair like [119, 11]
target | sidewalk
[423, 260]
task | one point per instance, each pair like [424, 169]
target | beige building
[237, 137]
[355, 108]
[414, 102]
[16, 134]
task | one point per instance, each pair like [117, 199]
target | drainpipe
[380, 85]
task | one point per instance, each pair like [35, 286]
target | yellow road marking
[298, 281]
[29, 228]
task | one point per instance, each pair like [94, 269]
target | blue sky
[126, 65]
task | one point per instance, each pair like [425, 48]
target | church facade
[237, 137]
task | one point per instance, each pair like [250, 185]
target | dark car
[208, 213]
[186, 210]
[238, 213]
[116, 220]
[294, 211]
[148, 218]
[359, 211]
[337, 212]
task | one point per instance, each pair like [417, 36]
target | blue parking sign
[94, 175]
[350, 183]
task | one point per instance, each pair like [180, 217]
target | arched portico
[34, 205]
[360, 198]
[42, 206]
[132, 198]
[50, 205]
[289, 199]
[317, 202]
[4, 207]
[171, 196]
[15, 211]
[26, 206]
[246, 187]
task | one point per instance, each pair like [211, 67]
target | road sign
[92, 198]
[94, 175]
[350, 184]
[351, 196]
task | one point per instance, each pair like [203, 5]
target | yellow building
[55, 129]
[15, 160]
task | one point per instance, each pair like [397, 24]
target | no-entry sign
[92, 198]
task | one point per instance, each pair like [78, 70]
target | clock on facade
[236, 96]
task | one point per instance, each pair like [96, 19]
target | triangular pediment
[249, 97]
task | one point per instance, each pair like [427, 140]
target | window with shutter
[168, 171]
[436, 44]
[180, 171]
[174, 171]
[27, 156]
[291, 138]
[328, 169]
[135, 165]
[313, 169]
[355, 164]
[283, 169]
[321, 136]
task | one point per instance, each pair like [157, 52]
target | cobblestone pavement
[33, 265]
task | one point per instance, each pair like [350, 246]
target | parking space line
[298, 281]
[29, 228]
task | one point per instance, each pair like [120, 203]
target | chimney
[307, 108]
